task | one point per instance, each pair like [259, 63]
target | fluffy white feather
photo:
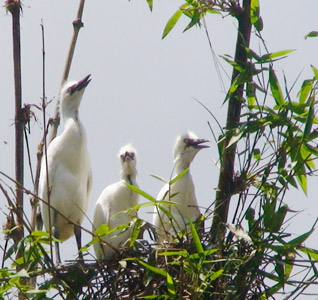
[182, 192]
[116, 198]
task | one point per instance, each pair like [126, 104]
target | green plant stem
[225, 184]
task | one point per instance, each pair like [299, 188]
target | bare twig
[36, 219]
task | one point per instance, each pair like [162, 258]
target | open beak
[128, 156]
[80, 85]
[197, 143]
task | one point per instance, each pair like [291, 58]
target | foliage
[276, 149]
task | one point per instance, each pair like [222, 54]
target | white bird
[66, 177]
[181, 192]
[116, 198]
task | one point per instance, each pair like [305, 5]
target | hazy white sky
[143, 87]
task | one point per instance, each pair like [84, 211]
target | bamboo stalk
[225, 184]
[14, 7]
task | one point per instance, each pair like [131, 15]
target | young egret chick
[65, 180]
[116, 198]
[181, 192]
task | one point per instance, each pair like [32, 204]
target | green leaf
[257, 154]
[183, 173]
[255, 15]
[170, 283]
[310, 116]
[311, 34]
[102, 230]
[279, 267]
[150, 4]
[315, 70]
[195, 19]
[159, 178]
[312, 253]
[306, 157]
[141, 192]
[305, 91]
[296, 242]
[289, 266]
[136, 231]
[301, 177]
[214, 275]
[278, 54]
[173, 20]
[279, 218]
[153, 269]
[196, 239]
[275, 88]
[250, 93]
[183, 253]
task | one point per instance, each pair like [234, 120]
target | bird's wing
[100, 217]
[51, 167]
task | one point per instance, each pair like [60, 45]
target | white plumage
[69, 172]
[116, 198]
[181, 192]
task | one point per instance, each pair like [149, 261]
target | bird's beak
[198, 143]
[128, 156]
[80, 85]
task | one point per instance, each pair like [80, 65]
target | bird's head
[127, 157]
[71, 95]
[187, 146]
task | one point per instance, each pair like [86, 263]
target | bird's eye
[187, 142]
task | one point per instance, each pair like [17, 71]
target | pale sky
[143, 88]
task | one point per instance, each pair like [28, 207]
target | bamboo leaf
[173, 20]
[278, 54]
[301, 177]
[296, 242]
[275, 88]
[196, 239]
[311, 34]
[153, 269]
[150, 3]
[159, 178]
[183, 173]
[141, 192]
[256, 20]
[305, 91]
[315, 70]
[312, 253]
[170, 283]
[215, 275]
